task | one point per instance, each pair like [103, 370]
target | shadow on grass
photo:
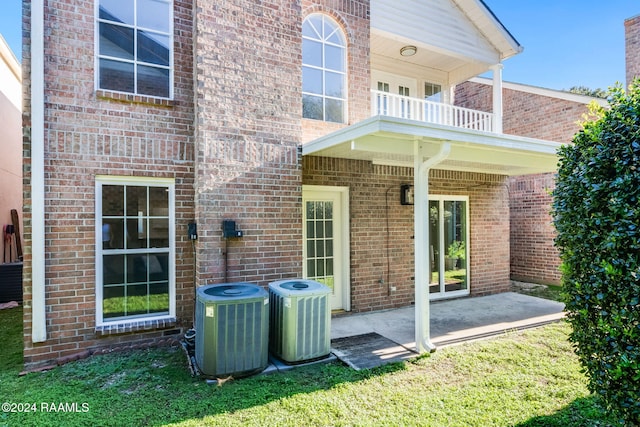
[148, 387]
[583, 412]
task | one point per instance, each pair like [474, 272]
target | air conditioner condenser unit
[300, 320]
[232, 329]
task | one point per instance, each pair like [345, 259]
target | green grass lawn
[529, 378]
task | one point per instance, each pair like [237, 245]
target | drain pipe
[38, 306]
[421, 242]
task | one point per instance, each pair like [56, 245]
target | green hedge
[596, 211]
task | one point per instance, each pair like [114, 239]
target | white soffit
[384, 140]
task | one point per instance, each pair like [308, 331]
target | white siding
[435, 23]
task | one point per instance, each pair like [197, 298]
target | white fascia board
[411, 129]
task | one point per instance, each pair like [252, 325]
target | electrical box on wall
[192, 231]
[406, 194]
[229, 229]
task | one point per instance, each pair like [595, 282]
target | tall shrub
[596, 211]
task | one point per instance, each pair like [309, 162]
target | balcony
[404, 107]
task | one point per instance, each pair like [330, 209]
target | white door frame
[341, 233]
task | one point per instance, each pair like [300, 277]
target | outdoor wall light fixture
[406, 194]
[408, 51]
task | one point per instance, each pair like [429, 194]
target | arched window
[323, 69]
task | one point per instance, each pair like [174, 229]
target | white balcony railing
[388, 104]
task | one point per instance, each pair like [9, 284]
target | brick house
[533, 255]
[325, 129]
[534, 258]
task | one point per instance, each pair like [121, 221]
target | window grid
[319, 241]
[321, 36]
[135, 61]
[134, 271]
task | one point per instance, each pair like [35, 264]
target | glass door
[448, 246]
[324, 251]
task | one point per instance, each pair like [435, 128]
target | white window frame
[134, 61]
[441, 198]
[168, 183]
[323, 70]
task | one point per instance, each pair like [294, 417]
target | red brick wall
[533, 256]
[248, 110]
[632, 45]
[86, 134]
[380, 259]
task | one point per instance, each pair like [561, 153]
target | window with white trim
[135, 269]
[323, 69]
[135, 47]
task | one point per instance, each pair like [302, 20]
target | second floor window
[134, 47]
[323, 69]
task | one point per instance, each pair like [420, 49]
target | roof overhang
[390, 141]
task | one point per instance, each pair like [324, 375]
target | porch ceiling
[390, 141]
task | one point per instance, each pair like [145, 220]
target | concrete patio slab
[454, 321]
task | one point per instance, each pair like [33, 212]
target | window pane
[137, 233]
[112, 234]
[154, 15]
[311, 249]
[320, 267]
[335, 111]
[136, 268]
[311, 231]
[334, 58]
[311, 53]
[311, 80]
[334, 84]
[159, 233]
[311, 268]
[159, 297]
[310, 210]
[336, 38]
[313, 25]
[434, 246]
[158, 267]
[116, 41]
[117, 10]
[153, 81]
[329, 28]
[329, 266]
[113, 269]
[115, 75]
[153, 48]
[136, 200]
[137, 301]
[312, 107]
[159, 201]
[113, 302]
[112, 200]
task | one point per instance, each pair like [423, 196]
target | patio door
[448, 246]
[326, 240]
